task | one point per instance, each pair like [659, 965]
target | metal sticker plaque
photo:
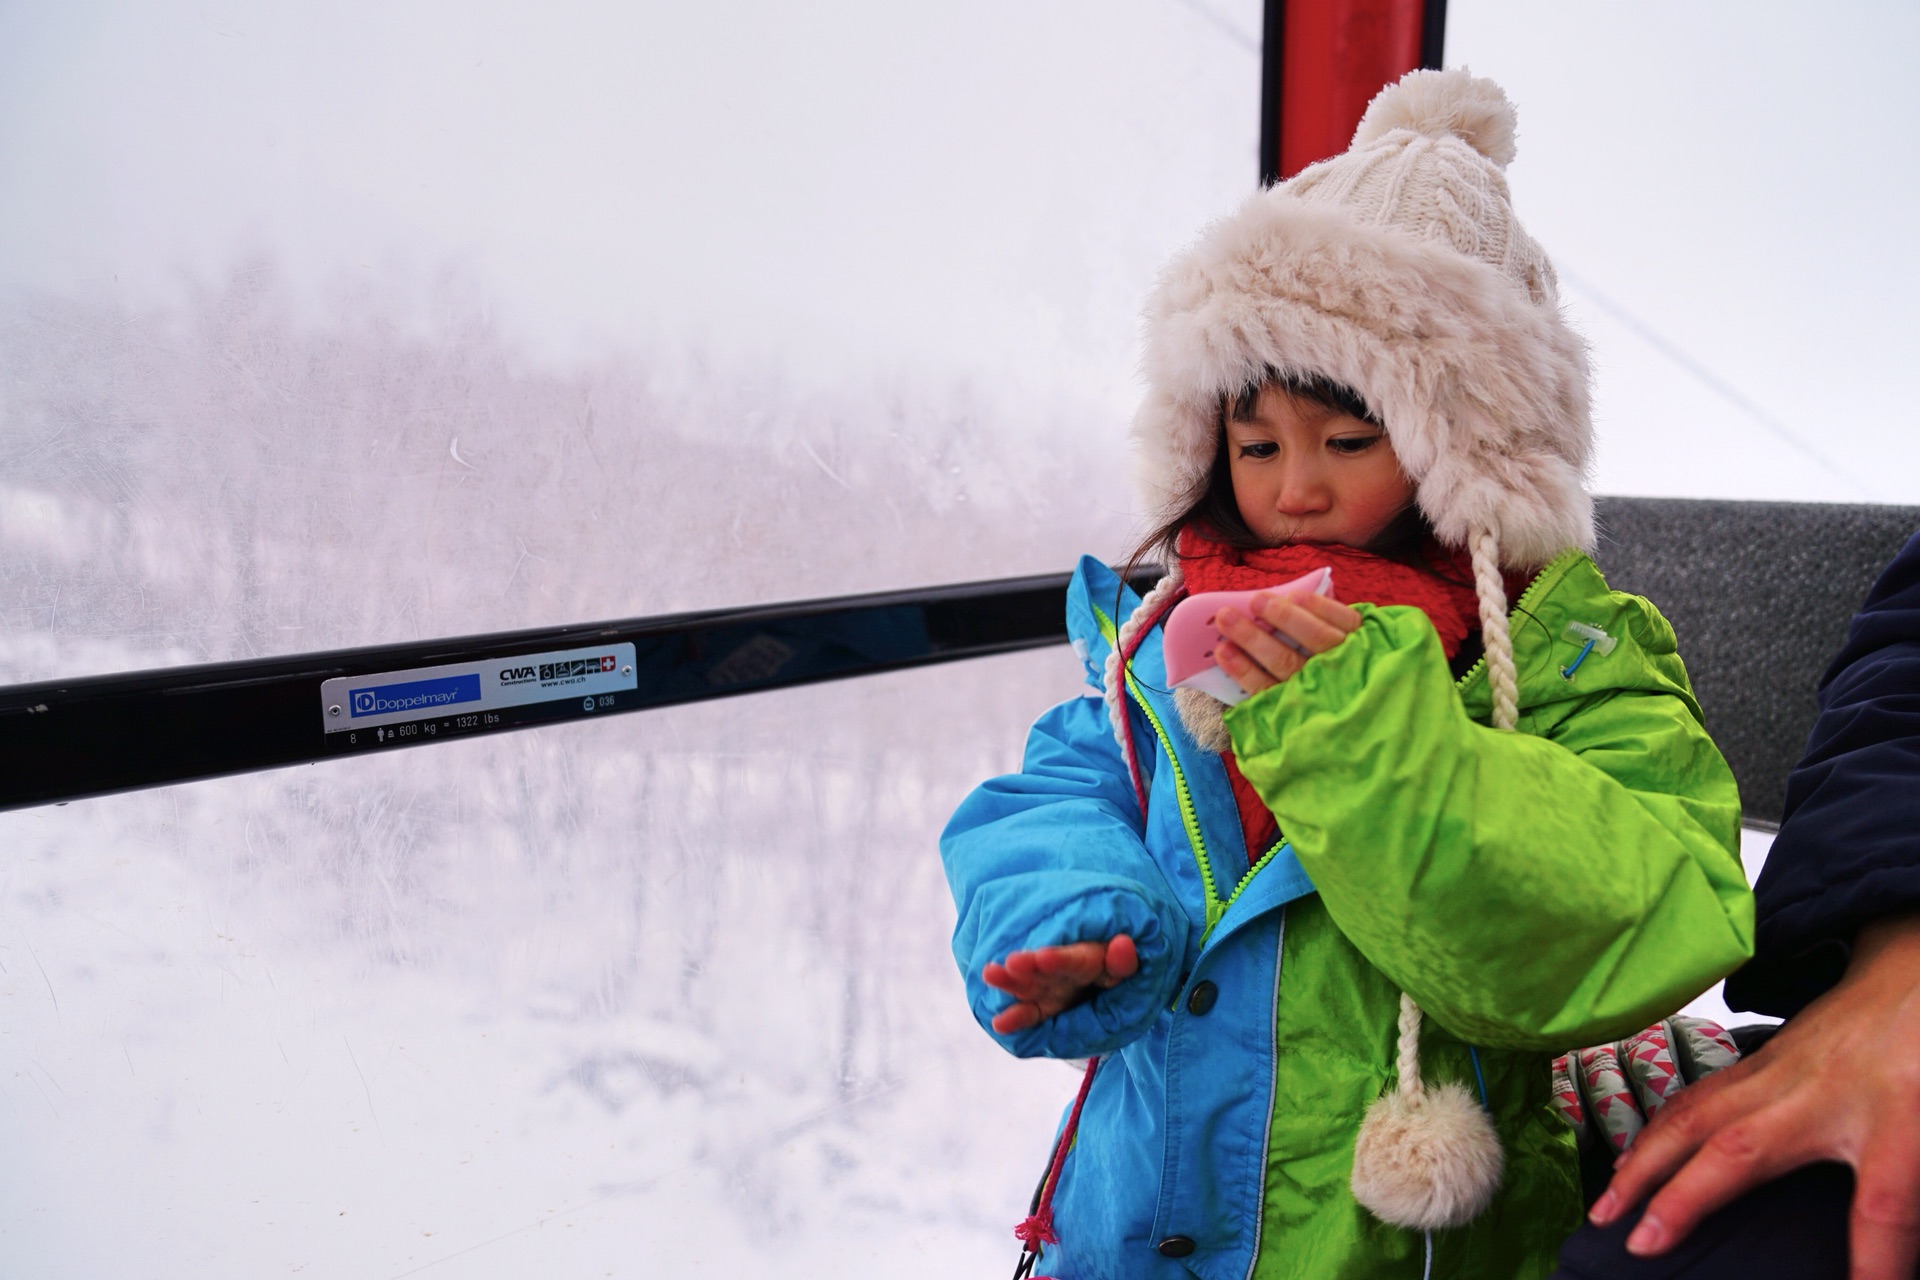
[473, 695]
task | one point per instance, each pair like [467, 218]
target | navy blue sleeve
[1848, 851]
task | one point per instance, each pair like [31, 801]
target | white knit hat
[1397, 269]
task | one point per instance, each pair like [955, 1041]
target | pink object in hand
[1190, 638]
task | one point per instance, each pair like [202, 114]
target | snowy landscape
[665, 995]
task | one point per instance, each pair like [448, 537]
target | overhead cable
[1712, 381]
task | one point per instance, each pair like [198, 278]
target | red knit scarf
[1358, 576]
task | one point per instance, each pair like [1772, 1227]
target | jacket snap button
[1199, 1001]
[1175, 1247]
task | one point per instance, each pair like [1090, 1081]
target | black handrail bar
[1759, 594]
[64, 740]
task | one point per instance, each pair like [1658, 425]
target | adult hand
[1840, 1081]
[1296, 627]
[1046, 981]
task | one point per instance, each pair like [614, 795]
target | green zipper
[1247, 879]
[1189, 816]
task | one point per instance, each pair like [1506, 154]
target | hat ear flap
[1174, 441]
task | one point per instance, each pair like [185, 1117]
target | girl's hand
[1051, 979]
[1300, 626]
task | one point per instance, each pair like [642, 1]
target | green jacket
[1534, 891]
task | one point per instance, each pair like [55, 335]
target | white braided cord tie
[1504, 680]
[1115, 690]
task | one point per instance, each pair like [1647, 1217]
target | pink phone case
[1189, 636]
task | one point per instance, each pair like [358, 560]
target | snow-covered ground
[658, 996]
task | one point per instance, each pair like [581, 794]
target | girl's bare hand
[1051, 979]
[1296, 627]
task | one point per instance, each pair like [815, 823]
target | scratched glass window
[332, 325]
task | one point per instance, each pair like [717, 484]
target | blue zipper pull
[1595, 639]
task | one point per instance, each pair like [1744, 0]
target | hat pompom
[1453, 103]
[1426, 1159]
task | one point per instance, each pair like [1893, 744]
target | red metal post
[1331, 57]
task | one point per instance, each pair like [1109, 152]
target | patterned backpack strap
[1702, 1047]
[1652, 1068]
[1610, 1091]
[1610, 1102]
[1567, 1100]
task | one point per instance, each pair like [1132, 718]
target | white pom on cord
[1426, 1157]
[1443, 103]
[1427, 1160]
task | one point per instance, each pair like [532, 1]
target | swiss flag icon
[606, 663]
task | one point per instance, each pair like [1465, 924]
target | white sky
[984, 190]
[1741, 177]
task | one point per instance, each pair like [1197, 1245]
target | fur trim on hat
[1482, 391]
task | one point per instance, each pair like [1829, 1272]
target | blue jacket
[1057, 853]
[1848, 851]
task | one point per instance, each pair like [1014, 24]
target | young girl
[1509, 818]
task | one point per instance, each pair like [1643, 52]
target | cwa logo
[518, 675]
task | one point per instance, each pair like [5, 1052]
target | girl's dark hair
[1408, 539]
